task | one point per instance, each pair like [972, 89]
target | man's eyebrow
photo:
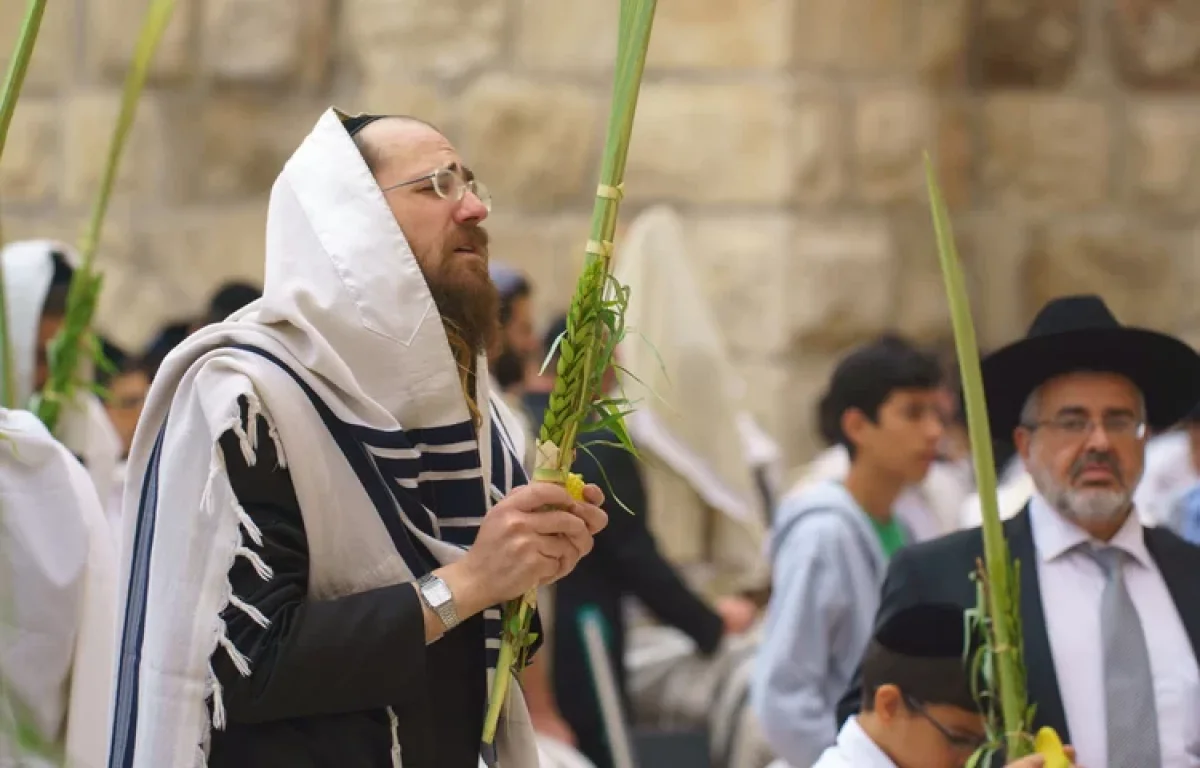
[1079, 410]
[467, 173]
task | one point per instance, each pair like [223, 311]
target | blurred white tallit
[84, 427]
[710, 472]
[703, 451]
[58, 598]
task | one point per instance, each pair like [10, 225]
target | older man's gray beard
[1083, 505]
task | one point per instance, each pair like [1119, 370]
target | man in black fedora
[1078, 395]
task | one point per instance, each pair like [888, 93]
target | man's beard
[1086, 505]
[463, 291]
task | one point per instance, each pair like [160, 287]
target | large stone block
[567, 37]
[841, 282]
[954, 151]
[535, 145]
[922, 312]
[1026, 43]
[942, 33]
[1130, 263]
[90, 118]
[113, 27]
[55, 52]
[134, 305]
[1187, 274]
[892, 130]
[28, 174]
[1156, 43]
[193, 251]
[742, 265]
[1046, 153]
[448, 38]
[853, 36]
[818, 145]
[1165, 156]
[238, 144]
[721, 34]
[994, 248]
[711, 144]
[784, 393]
[264, 41]
[402, 96]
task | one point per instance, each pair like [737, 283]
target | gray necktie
[1128, 684]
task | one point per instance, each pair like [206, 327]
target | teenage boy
[831, 543]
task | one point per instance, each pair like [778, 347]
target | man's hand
[535, 536]
[737, 613]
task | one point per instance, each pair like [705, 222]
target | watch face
[438, 592]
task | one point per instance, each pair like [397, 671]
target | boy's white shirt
[854, 749]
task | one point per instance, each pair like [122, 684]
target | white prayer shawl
[360, 356]
[58, 595]
[692, 405]
[84, 426]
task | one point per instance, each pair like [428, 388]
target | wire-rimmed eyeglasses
[452, 182]
[961, 741]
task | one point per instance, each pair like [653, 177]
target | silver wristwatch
[437, 596]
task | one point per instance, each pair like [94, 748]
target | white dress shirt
[1071, 585]
[854, 749]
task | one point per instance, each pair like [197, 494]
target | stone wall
[789, 132]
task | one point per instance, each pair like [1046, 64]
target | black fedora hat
[1080, 333]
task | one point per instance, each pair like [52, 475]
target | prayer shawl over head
[692, 412]
[347, 359]
[84, 426]
[58, 598]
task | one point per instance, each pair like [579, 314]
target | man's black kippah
[355, 124]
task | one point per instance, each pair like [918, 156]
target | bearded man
[1078, 394]
[326, 506]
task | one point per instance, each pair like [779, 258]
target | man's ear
[888, 702]
[854, 423]
[1022, 439]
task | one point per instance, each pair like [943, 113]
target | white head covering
[83, 427]
[58, 595]
[345, 344]
[691, 401]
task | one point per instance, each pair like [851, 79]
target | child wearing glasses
[918, 710]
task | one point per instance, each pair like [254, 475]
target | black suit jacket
[937, 571]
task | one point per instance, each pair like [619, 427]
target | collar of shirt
[1055, 535]
[855, 744]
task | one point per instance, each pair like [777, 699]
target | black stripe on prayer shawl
[124, 732]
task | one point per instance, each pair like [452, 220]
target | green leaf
[83, 294]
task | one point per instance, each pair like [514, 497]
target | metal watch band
[439, 599]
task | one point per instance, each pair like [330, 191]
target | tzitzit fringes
[215, 692]
[397, 759]
[247, 533]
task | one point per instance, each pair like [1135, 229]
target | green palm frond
[76, 341]
[18, 66]
[997, 614]
[595, 326]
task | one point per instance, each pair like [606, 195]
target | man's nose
[1097, 439]
[470, 209]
